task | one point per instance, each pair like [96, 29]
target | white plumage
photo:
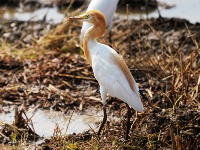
[111, 77]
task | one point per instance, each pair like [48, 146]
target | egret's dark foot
[128, 124]
[104, 120]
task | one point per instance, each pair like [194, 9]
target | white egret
[107, 7]
[109, 69]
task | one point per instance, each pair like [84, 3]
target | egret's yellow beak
[81, 17]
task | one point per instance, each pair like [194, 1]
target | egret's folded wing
[113, 74]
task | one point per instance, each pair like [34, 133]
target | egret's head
[93, 16]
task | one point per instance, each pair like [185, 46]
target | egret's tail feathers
[136, 103]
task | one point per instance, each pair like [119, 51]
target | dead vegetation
[20, 131]
[51, 73]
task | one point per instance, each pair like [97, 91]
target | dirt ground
[42, 65]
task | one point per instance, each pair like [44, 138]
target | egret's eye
[88, 16]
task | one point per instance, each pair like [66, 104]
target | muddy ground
[43, 66]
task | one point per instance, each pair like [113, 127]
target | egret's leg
[128, 124]
[103, 96]
[104, 119]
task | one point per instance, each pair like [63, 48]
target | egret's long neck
[92, 33]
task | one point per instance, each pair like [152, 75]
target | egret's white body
[109, 69]
[107, 7]
[110, 76]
